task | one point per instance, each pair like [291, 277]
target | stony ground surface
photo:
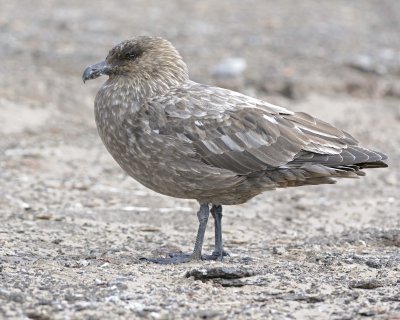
[73, 226]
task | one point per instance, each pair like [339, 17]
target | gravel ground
[73, 226]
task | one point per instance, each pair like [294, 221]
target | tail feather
[351, 157]
[310, 168]
[377, 164]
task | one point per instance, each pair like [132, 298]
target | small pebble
[278, 250]
[230, 67]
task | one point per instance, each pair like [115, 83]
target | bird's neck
[142, 87]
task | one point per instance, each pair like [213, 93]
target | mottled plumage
[194, 141]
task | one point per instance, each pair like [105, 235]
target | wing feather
[231, 131]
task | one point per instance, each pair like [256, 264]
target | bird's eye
[131, 55]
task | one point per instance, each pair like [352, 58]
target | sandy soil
[73, 226]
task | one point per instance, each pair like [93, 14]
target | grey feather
[189, 140]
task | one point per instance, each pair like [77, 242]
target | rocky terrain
[73, 226]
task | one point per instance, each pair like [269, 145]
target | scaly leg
[202, 215]
[219, 252]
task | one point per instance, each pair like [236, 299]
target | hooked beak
[96, 70]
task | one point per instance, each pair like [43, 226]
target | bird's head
[142, 61]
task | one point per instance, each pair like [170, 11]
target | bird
[220, 147]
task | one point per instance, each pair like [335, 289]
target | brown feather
[189, 140]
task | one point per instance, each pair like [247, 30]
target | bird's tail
[312, 168]
[352, 157]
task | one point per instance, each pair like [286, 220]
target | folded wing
[245, 135]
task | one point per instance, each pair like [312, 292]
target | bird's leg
[202, 215]
[216, 212]
[174, 258]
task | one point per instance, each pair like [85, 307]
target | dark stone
[366, 284]
[221, 273]
[377, 264]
